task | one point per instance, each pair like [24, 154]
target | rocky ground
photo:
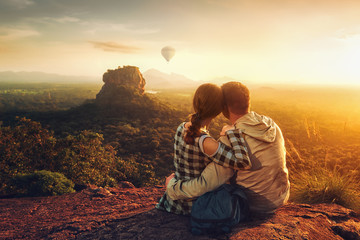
[128, 213]
[66, 216]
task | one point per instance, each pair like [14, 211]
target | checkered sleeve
[236, 156]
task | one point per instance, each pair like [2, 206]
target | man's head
[236, 99]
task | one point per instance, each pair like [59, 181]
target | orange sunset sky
[260, 41]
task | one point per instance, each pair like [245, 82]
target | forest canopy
[133, 140]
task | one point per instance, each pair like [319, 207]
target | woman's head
[207, 104]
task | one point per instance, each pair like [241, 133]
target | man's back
[266, 183]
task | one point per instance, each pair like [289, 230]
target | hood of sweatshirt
[257, 126]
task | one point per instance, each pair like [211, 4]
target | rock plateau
[121, 84]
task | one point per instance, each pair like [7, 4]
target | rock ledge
[126, 212]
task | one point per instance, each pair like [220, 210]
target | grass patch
[325, 186]
[315, 180]
[41, 183]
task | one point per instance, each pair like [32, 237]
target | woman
[194, 148]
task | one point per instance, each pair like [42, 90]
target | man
[266, 184]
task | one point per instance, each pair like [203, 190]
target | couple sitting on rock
[252, 148]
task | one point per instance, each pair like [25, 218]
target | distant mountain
[221, 80]
[224, 79]
[41, 77]
[159, 80]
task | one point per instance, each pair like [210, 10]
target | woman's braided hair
[207, 103]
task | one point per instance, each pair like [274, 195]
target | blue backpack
[216, 212]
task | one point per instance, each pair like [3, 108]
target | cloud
[13, 33]
[96, 27]
[348, 34]
[65, 19]
[47, 20]
[115, 47]
[20, 3]
[131, 29]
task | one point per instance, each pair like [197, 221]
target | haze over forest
[155, 80]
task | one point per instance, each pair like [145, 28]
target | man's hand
[226, 128]
[168, 179]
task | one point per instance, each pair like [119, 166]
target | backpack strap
[233, 178]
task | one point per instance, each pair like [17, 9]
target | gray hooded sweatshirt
[266, 184]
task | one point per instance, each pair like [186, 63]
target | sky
[257, 41]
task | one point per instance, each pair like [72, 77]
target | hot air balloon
[168, 52]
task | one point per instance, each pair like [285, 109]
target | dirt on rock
[128, 213]
[66, 216]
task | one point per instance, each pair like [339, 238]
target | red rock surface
[128, 213]
[64, 217]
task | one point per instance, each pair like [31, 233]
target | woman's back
[189, 162]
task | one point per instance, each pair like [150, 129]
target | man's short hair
[236, 97]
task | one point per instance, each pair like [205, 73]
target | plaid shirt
[190, 161]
